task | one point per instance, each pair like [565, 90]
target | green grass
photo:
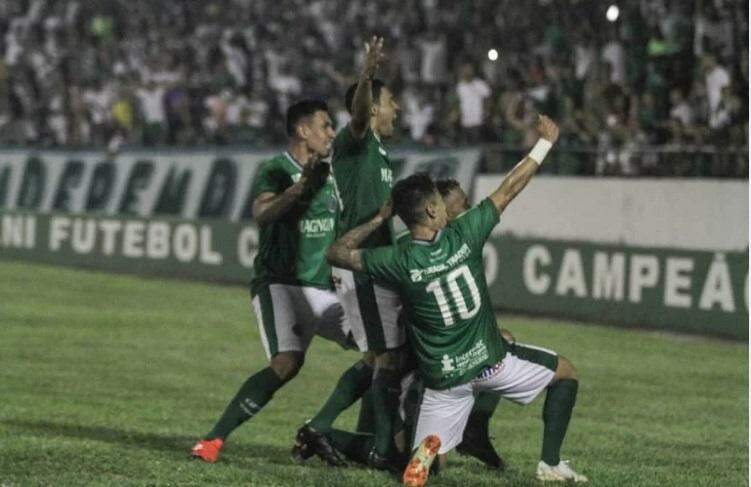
[108, 380]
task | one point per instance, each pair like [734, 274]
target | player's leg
[372, 313]
[476, 438]
[525, 373]
[311, 438]
[559, 404]
[357, 379]
[353, 383]
[355, 446]
[366, 416]
[385, 334]
[386, 390]
[442, 418]
[277, 313]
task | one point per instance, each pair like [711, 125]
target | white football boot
[558, 473]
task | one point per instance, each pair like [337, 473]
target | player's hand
[308, 171]
[373, 56]
[385, 212]
[547, 129]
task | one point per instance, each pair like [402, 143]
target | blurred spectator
[224, 71]
[472, 92]
[716, 77]
[151, 99]
[418, 114]
[433, 58]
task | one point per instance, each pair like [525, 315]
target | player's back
[446, 302]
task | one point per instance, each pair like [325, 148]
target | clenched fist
[547, 129]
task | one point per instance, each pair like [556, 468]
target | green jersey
[292, 249]
[447, 307]
[364, 176]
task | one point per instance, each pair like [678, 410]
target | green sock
[366, 418]
[354, 446]
[386, 388]
[351, 386]
[253, 395]
[556, 414]
[412, 402]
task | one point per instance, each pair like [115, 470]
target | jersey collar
[435, 239]
[292, 160]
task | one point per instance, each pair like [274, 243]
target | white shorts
[371, 310]
[519, 377]
[289, 316]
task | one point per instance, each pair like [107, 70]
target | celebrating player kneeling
[440, 278]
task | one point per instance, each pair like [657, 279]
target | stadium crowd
[666, 73]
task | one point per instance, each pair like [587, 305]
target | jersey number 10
[459, 304]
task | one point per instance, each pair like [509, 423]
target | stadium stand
[659, 89]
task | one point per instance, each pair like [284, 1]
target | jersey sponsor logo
[418, 275]
[387, 175]
[462, 363]
[448, 364]
[316, 226]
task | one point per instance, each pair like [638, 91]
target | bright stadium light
[613, 13]
[493, 55]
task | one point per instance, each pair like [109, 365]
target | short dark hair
[445, 186]
[375, 91]
[303, 109]
[409, 196]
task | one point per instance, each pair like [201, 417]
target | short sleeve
[476, 224]
[268, 179]
[381, 264]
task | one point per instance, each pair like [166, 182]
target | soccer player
[475, 442]
[440, 279]
[295, 205]
[364, 176]
[476, 438]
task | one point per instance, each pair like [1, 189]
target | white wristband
[540, 150]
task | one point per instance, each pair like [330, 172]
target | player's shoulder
[467, 218]
[403, 238]
[346, 140]
[275, 160]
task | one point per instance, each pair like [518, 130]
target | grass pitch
[108, 380]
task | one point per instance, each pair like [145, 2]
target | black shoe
[476, 443]
[309, 442]
[393, 464]
[301, 452]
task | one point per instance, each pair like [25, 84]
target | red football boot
[207, 450]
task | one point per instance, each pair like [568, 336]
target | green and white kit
[364, 176]
[292, 289]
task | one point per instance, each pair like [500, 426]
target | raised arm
[363, 98]
[518, 178]
[269, 207]
[344, 253]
